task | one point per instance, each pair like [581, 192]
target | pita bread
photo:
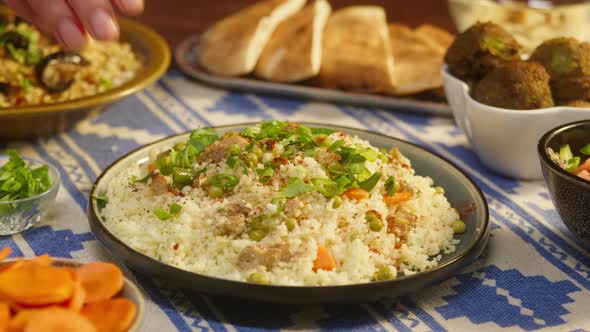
[436, 37]
[357, 52]
[294, 52]
[232, 46]
[417, 63]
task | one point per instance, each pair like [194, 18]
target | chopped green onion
[163, 164]
[265, 175]
[107, 84]
[297, 187]
[181, 177]
[585, 150]
[25, 84]
[174, 210]
[573, 164]
[390, 186]
[145, 179]
[225, 181]
[101, 198]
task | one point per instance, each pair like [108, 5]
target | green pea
[251, 159]
[336, 202]
[235, 151]
[371, 215]
[179, 146]
[215, 192]
[257, 151]
[257, 234]
[384, 273]
[459, 227]
[257, 278]
[290, 223]
[376, 225]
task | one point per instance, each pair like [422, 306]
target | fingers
[24, 11]
[98, 18]
[130, 7]
[56, 18]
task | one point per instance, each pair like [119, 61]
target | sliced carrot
[18, 322]
[4, 253]
[4, 316]
[324, 260]
[357, 194]
[36, 285]
[76, 302]
[397, 198]
[12, 265]
[58, 320]
[100, 280]
[44, 259]
[114, 315]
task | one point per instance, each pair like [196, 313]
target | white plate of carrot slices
[44, 294]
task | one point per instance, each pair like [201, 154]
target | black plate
[461, 191]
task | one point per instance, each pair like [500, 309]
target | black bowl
[570, 193]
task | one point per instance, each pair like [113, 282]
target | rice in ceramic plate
[36, 70]
[283, 204]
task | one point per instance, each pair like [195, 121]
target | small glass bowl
[20, 214]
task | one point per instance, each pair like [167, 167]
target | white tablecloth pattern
[533, 275]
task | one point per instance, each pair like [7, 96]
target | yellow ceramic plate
[38, 120]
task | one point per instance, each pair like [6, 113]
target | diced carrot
[100, 280]
[4, 253]
[151, 167]
[357, 194]
[114, 315]
[58, 320]
[397, 198]
[4, 316]
[36, 285]
[324, 260]
[584, 167]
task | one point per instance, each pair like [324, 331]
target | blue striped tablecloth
[533, 275]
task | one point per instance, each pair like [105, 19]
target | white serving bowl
[505, 140]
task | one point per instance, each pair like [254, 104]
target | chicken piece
[159, 184]
[217, 151]
[233, 220]
[264, 255]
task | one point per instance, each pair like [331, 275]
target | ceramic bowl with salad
[27, 189]
[565, 160]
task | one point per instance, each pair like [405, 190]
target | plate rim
[481, 240]
[290, 90]
[157, 48]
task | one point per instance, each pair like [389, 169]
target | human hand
[69, 20]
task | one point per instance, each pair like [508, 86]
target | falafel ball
[579, 103]
[479, 49]
[568, 63]
[517, 85]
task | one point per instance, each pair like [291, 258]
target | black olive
[56, 71]
[15, 39]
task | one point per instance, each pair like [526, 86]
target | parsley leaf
[297, 187]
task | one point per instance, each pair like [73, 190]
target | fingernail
[132, 6]
[70, 35]
[103, 26]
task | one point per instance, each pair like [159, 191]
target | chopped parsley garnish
[297, 187]
[173, 210]
[225, 181]
[145, 179]
[18, 180]
[265, 174]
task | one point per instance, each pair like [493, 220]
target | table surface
[533, 275]
[194, 16]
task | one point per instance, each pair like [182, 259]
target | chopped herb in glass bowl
[27, 189]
